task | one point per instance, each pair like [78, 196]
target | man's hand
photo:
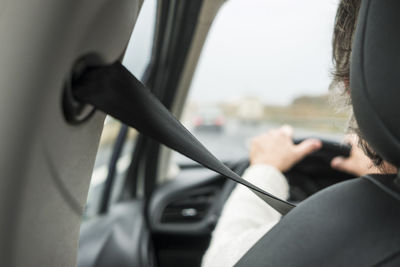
[276, 148]
[357, 163]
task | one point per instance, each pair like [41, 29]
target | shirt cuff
[269, 179]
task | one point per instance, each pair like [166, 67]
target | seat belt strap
[115, 91]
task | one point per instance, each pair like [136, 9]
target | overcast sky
[273, 49]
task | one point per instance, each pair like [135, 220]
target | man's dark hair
[345, 25]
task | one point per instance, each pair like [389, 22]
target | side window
[101, 167]
[265, 63]
[136, 59]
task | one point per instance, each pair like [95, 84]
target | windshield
[265, 63]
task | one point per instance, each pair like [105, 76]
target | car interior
[137, 203]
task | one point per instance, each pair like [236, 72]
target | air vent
[191, 208]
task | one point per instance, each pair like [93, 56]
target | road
[230, 143]
[233, 141]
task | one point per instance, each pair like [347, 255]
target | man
[246, 218]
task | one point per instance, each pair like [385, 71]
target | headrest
[375, 76]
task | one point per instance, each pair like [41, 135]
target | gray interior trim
[41, 40]
[208, 12]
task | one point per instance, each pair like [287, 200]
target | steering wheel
[311, 174]
[314, 172]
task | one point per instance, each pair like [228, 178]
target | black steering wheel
[314, 172]
[311, 174]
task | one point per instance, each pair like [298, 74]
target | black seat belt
[115, 91]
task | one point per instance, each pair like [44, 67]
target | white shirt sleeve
[245, 217]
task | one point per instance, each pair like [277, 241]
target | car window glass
[136, 59]
[100, 170]
[138, 53]
[265, 63]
